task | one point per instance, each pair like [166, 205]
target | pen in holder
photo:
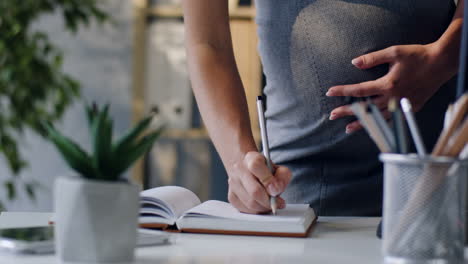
[424, 209]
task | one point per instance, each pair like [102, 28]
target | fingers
[364, 89]
[341, 111]
[251, 187]
[356, 125]
[353, 127]
[255, 191]
[237, 203]
[376, 58]
[381, 102]
[280, 181]
[238, 193]
[280, 202]
[256, 164]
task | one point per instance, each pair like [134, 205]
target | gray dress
[306, 47]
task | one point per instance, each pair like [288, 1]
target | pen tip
[259, 98]
[273, 204]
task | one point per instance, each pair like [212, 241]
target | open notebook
[177, 207]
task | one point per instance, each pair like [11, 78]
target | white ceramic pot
[95, 221]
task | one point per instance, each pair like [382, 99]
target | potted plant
[96, 211]
[34, 88]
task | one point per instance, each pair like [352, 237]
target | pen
[460, 108]
[382, 124]
[360, 110]
[398, 126]
[266, 148]
[413, 126]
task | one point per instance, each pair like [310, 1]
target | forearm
[448, 45]
[215, 80]
[221, 100]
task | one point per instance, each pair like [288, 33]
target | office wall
[100, 58]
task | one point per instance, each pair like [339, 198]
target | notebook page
[178, 199]
[293, 213]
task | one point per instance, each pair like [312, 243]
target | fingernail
[332, 116]
[357, 62]
[273, 189]
[349, 130]
[329, 93]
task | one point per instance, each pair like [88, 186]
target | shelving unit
[245, 49]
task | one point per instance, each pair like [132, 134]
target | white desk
[334, 240]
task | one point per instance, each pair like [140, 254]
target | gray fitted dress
[306, 47]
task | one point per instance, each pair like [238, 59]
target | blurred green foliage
[33, 87]
[109, 159]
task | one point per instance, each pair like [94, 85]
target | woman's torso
[306, 47]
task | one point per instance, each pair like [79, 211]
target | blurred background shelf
[176, 12]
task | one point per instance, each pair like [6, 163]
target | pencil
[448, 116]
[370, 125]
[459, 110]
[383, 126]
[458, 142]
[265, 146]
[398, 126]
[408, 111]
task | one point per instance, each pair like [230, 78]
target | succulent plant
[108, 160]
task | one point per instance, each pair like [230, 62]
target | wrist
[445, 57]
[447, 48]
[233, 155]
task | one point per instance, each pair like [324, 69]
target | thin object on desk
[369, 124]
[383, 125]
[460, 139]
[459, 110]
[266, 147]
[448, 116]
[408, 111]
[398, 126]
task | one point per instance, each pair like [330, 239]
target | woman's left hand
[415, 72]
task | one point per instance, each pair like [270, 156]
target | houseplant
[96, 211]
[33, 85]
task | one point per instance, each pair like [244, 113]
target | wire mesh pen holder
[424, 209]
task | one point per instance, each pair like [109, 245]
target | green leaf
[124, 161]
[122, 146]
[75, 157]
[11, 190]
[90, 114]
[101, 140]
[29, 188]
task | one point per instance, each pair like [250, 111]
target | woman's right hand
[251, 183]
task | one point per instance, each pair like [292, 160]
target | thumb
[374, 58]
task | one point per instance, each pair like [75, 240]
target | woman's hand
[415, 72]
[251, 183]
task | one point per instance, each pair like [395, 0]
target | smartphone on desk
[28, 240]
[40, 240]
